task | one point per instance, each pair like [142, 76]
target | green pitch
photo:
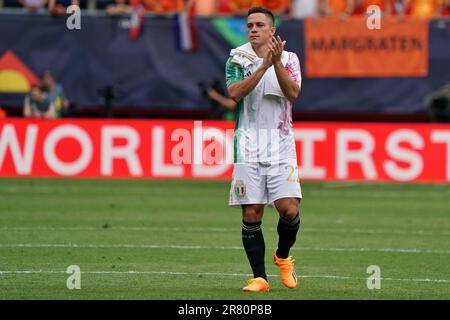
[140, 239]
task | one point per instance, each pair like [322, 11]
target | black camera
[439, 109]
[438, 104]
[110, 92]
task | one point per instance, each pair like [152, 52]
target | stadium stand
[149, 77]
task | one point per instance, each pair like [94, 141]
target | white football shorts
[260, 183]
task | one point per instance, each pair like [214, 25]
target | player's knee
[288, 208]
[289, 213]
[252, 213]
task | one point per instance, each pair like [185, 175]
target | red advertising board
[204, 150]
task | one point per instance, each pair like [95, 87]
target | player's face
[260, 29]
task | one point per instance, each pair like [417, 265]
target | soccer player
[264, 80]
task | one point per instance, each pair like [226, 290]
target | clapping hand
[276, 47]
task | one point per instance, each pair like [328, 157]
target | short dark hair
[267, 12]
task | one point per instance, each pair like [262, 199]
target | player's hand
[267, 62]
[276, 46]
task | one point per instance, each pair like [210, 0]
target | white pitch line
[132, 272]
[106, 246]
[234, 230]
[215, 274]
[199, 247]
[164, 229]
[394, 250]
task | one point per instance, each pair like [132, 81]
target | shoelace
[286, 263]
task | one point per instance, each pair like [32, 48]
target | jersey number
[292, 177]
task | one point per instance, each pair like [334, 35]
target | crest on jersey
[239, 188]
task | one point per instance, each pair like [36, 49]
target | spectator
[223, 8]
[34, 5]
[2, 113]
[206, 7]
[336, 8]
[241, 7]
[60, 6]
[223, 107]
[446, 8]
[300, 9]
[161, 6]
[279, 7]
[423, 8]
[118, 8]
[55, 93]
[148, 5]
[37, 105]
[169, 6]
[387, 6]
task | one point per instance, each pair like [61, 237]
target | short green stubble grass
[183, 241]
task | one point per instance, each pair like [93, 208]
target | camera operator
[55, 94]
[223, 106]
[37, 105]
[438, 104]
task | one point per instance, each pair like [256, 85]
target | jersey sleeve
[293, 69]
[233, 73]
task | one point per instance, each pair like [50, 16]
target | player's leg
[254, 245]
[253, 239]
[285, 194]
[249, 192]
[288, 224]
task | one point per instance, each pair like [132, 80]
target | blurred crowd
[47, 99]
[296, 9]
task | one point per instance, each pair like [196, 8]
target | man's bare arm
[289, 87]
[241, 89]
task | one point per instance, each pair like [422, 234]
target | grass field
[141, 239]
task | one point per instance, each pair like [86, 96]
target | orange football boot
[256, 285]
[287, 271]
